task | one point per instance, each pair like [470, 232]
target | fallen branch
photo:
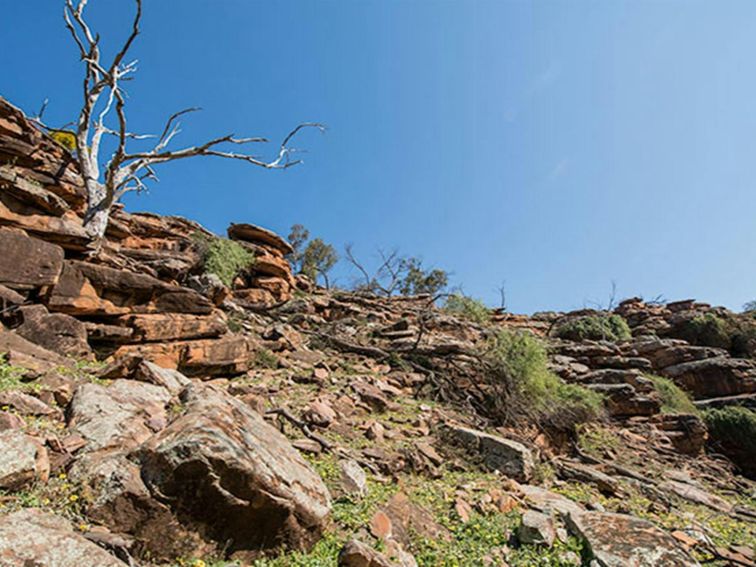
[302, 426]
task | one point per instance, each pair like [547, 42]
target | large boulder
[33, 538]
[232, 476]
[618, 540]
[28, 263]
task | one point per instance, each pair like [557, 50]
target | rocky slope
[152, 415]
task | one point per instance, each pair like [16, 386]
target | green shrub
[468, 308]
[704, 330]
[743, 336]
[732, 431]
[594, 328]
[222, 257]
[523, 389]
[673, 398]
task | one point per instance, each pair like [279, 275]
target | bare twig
[302, 426]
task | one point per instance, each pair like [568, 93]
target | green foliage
[318, 258]
[298, 236]
[418, 280]
[266, 359]
[743, 335]
[704, 330]
[523, 389]
[597, 440]
[732, 431]
[11, 377]
[222, 257]
[594, 328]
[314, 258]
[673, 398]
[470, 541]
[323, 554]
[468, 308]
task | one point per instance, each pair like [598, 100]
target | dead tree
[104, 98]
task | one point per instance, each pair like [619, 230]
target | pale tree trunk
[126, 171]
[98, 213]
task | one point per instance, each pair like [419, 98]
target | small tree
[750, 307]
[314, 258]
[127, 170]
[298, 236]
[318, 259]
[397, 274]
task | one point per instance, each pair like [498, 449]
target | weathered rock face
[121, 415]
[269, 280]
[116, 497]
[22, 460]
[228, 355]
[21, 352]
[32, 537]
[258, 235]
[56, 332]
[504, 455]
[687, 432]
[715, 377]
[28, 263]
[172, 326]
[232, 476]
[616, 540]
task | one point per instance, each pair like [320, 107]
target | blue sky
[554, 145]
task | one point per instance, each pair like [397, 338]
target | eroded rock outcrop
[232, 476]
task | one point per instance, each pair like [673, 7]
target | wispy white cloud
[545, 79]
[560, 169]
[542, 82]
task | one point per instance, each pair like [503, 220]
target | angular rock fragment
[536, 529]
[22, 460]
[504, 455]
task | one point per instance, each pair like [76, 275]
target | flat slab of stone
[618, 540]
[31, 538]
[257, 234]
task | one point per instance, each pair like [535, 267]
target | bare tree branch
[128, 171]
